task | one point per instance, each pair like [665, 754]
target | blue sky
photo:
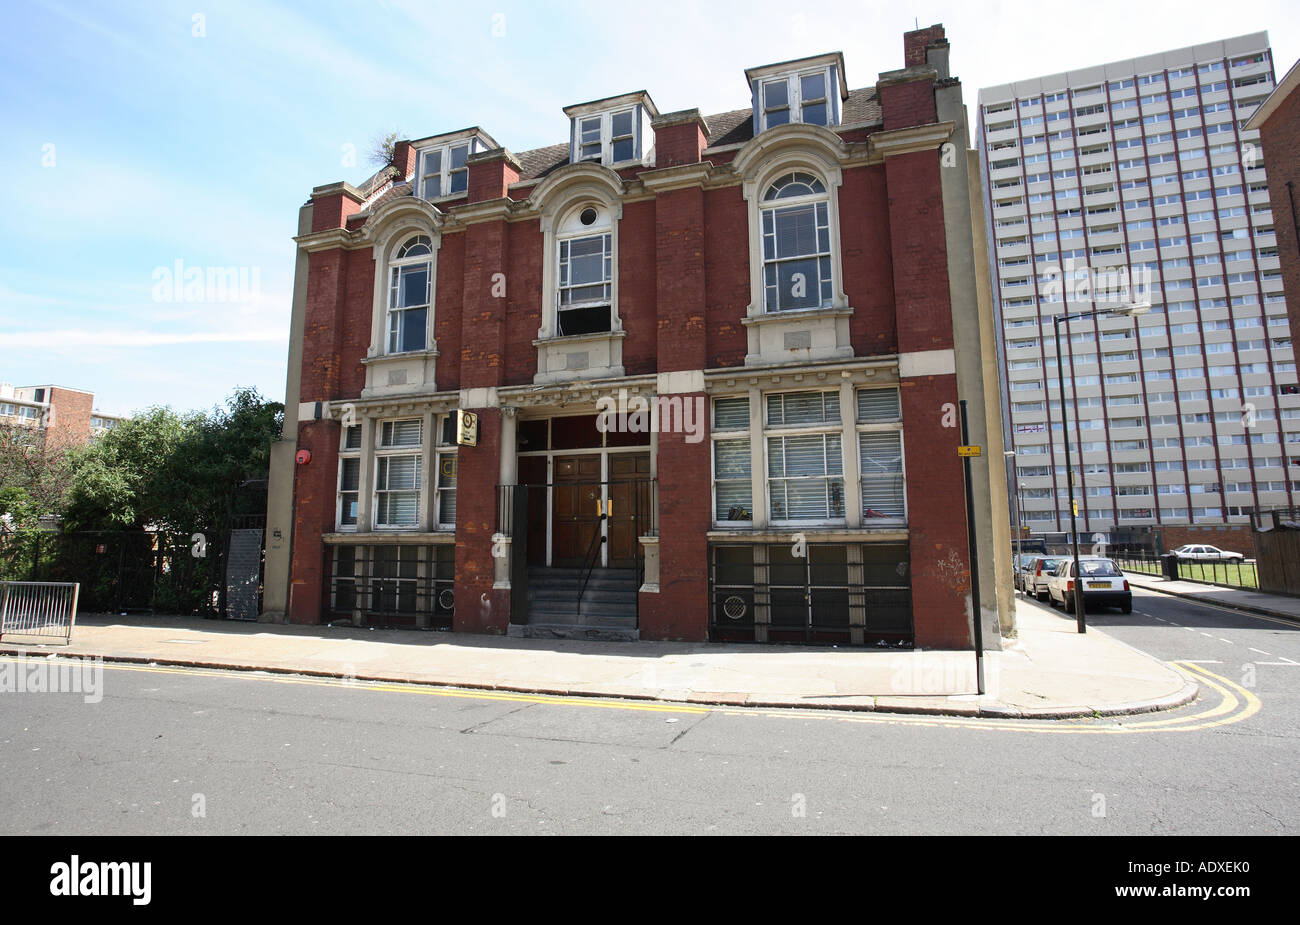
[132, 143]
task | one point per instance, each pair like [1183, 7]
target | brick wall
[915, 42]
[72, 411]
[479, 608]
[315, 487]
[918, 252]
[908, 104]
[936, 513]
[1230, 538]
[637, 282]
[681, 608]
[726, 275]
[679, 280]
[1280, 139]
[866, 260]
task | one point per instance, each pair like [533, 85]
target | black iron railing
[1226, 571]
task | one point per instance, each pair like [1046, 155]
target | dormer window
[807, 91]
[613, 131]
[608, 138]
[796, 98]
[440, 168]
[443, 172]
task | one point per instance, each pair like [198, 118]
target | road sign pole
[976, 616]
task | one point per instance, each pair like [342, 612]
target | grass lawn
[1228, 574]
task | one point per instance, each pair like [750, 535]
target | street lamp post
[1132, 310]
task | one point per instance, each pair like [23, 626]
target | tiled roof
[541, 161]
[862, 107]
[395, 191]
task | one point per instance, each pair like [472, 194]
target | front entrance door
[628, 490]
[576, 517]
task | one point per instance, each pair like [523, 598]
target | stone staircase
[608, 609]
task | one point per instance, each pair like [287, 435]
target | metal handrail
[592, 548]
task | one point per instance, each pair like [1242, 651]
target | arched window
[409, 284]
[794, 212]
[584, 276]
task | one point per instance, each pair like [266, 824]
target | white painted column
[757, 460]
[366, 477]
[852, 471]
[428, 514]
[509, 471]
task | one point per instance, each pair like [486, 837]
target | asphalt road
[207, 752]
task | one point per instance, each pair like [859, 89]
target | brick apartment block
[788, 300]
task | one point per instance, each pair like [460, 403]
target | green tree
[173, 472]
[34, 476]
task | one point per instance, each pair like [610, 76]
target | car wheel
[1127, 608]
[1068, 603]
[1044, 597]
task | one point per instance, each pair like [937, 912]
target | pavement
[1049, 671]
[1269, 605]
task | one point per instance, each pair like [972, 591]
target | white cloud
[69, 338]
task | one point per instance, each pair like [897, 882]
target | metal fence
[1228, 573]
[41, 609]
[129, 571]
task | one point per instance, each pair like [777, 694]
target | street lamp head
[1132, 310]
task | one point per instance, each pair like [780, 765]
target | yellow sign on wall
[969, 450]
[466, 428]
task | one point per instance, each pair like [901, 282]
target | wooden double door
[577, 496]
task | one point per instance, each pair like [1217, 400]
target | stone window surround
[566, 190]
[821, 333]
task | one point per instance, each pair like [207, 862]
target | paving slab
[1047, 671]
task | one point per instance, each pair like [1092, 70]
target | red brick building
[1278, 122]
[712, 366]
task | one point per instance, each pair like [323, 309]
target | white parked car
[1104, 584]
[1207, 553]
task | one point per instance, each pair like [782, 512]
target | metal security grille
[393, 585]
[818, 593]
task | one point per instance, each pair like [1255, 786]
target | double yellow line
[1235, 705]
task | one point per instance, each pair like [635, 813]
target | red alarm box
[304, 457]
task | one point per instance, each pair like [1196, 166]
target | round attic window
[588, 216]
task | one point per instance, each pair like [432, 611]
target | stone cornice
[342, 186]
[881, 370]
[671, 178]
[681, 117]
[494, 155]
[329, 239]
[907, 140]
[907, 75]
